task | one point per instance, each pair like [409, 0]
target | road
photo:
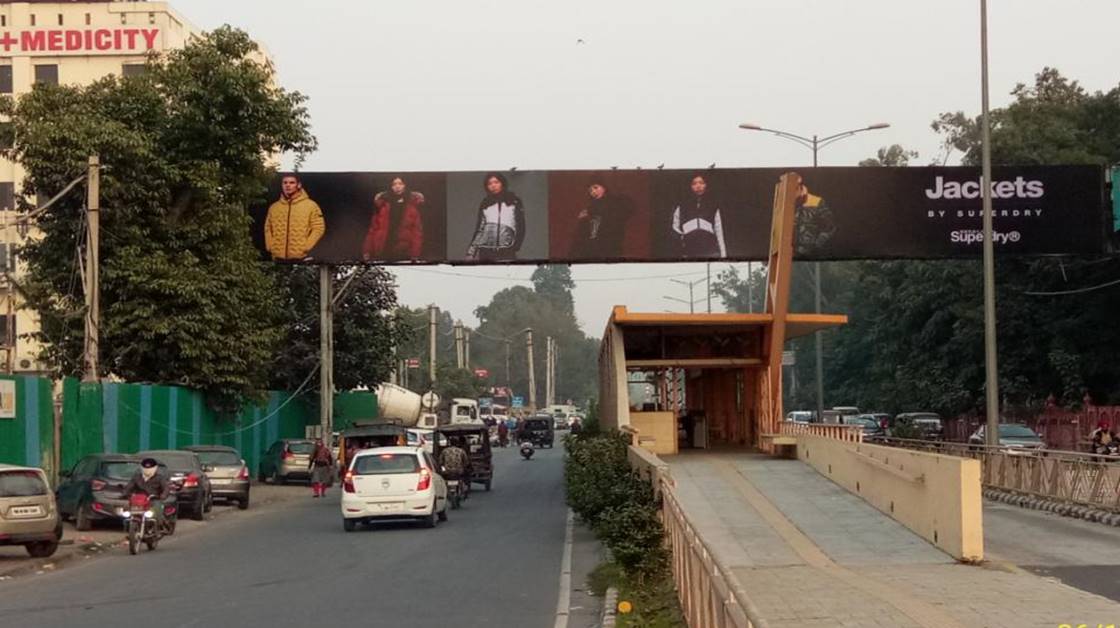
[495, 563]
[1079, 553]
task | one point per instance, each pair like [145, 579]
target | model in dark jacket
[601, 225]
[697, 222]
[501, 222]
[396, 229]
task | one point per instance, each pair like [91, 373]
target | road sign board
[481, 373]
[413, 363]
[519, 402]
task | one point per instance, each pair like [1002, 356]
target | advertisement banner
[533, 217]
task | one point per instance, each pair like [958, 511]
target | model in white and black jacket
[501, 223]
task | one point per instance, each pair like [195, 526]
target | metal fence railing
[848, 433]
[1067, 476]
[709, 595]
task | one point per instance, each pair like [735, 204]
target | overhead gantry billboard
[578, 216]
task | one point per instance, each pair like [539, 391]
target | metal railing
[1068, 476]
[709, 594]
[839, 431]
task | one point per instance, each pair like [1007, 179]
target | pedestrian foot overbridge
[802, 550]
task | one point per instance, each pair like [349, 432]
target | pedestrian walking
[503, 434]
[320, 467]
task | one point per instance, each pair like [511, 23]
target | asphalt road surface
[1081, 554]
[495, 563]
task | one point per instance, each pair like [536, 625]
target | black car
[188, 480]
[94, 489]
[928, 425]
[872, 427]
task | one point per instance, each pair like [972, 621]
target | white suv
[393, 483]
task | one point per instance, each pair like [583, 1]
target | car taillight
[243, 474]
[425, 480]
[190, 481]
[348, 482]
[98, 485]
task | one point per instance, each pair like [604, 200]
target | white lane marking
[564, 601]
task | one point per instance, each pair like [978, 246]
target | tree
[364, 328]
[186, 298]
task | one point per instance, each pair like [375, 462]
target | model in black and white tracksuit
[501, 224]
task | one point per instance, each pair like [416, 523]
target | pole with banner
[991, 364]
[93, 262]
[433, 313]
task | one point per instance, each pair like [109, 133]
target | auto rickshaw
[541, 429]
[367, 435]
[477, 440]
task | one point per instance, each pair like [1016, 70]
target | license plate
[26, 511]
[391, 507]
[221, 481]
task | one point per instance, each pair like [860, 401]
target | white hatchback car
[390, 483]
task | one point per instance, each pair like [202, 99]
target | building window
[4, 322]
[124, 18]
[89, 19]
[3, 20]
[46, 74]
[151, 18]
[60, 21]
[133, 69]
[33, 19]
[7, 196]
[8, 257]
[5, 79]
[7, 135]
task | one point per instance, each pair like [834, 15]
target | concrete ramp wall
[936, 496]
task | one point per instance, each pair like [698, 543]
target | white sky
[425, 85]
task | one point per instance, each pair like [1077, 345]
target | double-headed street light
[815, 143]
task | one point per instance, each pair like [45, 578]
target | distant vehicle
[541, 429]
[845, 412]
[1015, 438]
[286, 460]
[561, 421]
[368, 435]
[28, 511]
[464, 412]
[188, 481]
[883, 418]
[393, 483]
[94, 489]
[872, 428]
[929, 424]
[418, 437]
[228, 473]
[800, 416]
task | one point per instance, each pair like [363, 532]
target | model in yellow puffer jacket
[294, 223]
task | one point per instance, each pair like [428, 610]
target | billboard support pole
[93, 271]
[991, 365]
[532, 371]
[326, 351]
[433, 313]
[467, 346]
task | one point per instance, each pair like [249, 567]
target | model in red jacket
[396, 230]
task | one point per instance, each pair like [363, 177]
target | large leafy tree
[186, 299]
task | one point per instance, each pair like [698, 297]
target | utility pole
[93, 273]
[532, 372]
[548, 372]
[458, 344]
[991, 365]
[433, 313]
[555, 361]
[467, 346]
[326, 350]
[750, 287]
[509, 382]
[709, 287]
[396, 377]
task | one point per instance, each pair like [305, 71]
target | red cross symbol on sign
[7, 41]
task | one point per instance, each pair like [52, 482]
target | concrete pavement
[809, 553]
[496, 562]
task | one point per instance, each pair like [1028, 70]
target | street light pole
[815, 143]
[991, 432]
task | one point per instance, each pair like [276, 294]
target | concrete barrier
[936, 496]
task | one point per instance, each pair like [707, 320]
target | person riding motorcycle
[149, 481]
[456, 463]
[1104, 439]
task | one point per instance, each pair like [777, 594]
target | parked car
[228, 473]
[192, 488]
[562, 422]
[28, 511]
[927, 424]
[390, 483]
[288, 459]
[846, 412]
[883, 418]
[1016, 438]
[418, 437]
[94, 489]
[872, 428]
[801, 416]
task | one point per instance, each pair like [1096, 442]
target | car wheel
[243, 503]
[82, 521]
[276, 479]
[430, 520]
[443, 514]
[199, 511]
[349, 524]
[42, 549]
[209, 502]
[488, 485]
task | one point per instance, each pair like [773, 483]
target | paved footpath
[809, 553]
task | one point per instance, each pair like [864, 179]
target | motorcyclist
[149, 481]
[1104, 439]
[456, 463]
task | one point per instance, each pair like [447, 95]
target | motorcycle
[527, 450]
[455, 493]
[141, 523]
